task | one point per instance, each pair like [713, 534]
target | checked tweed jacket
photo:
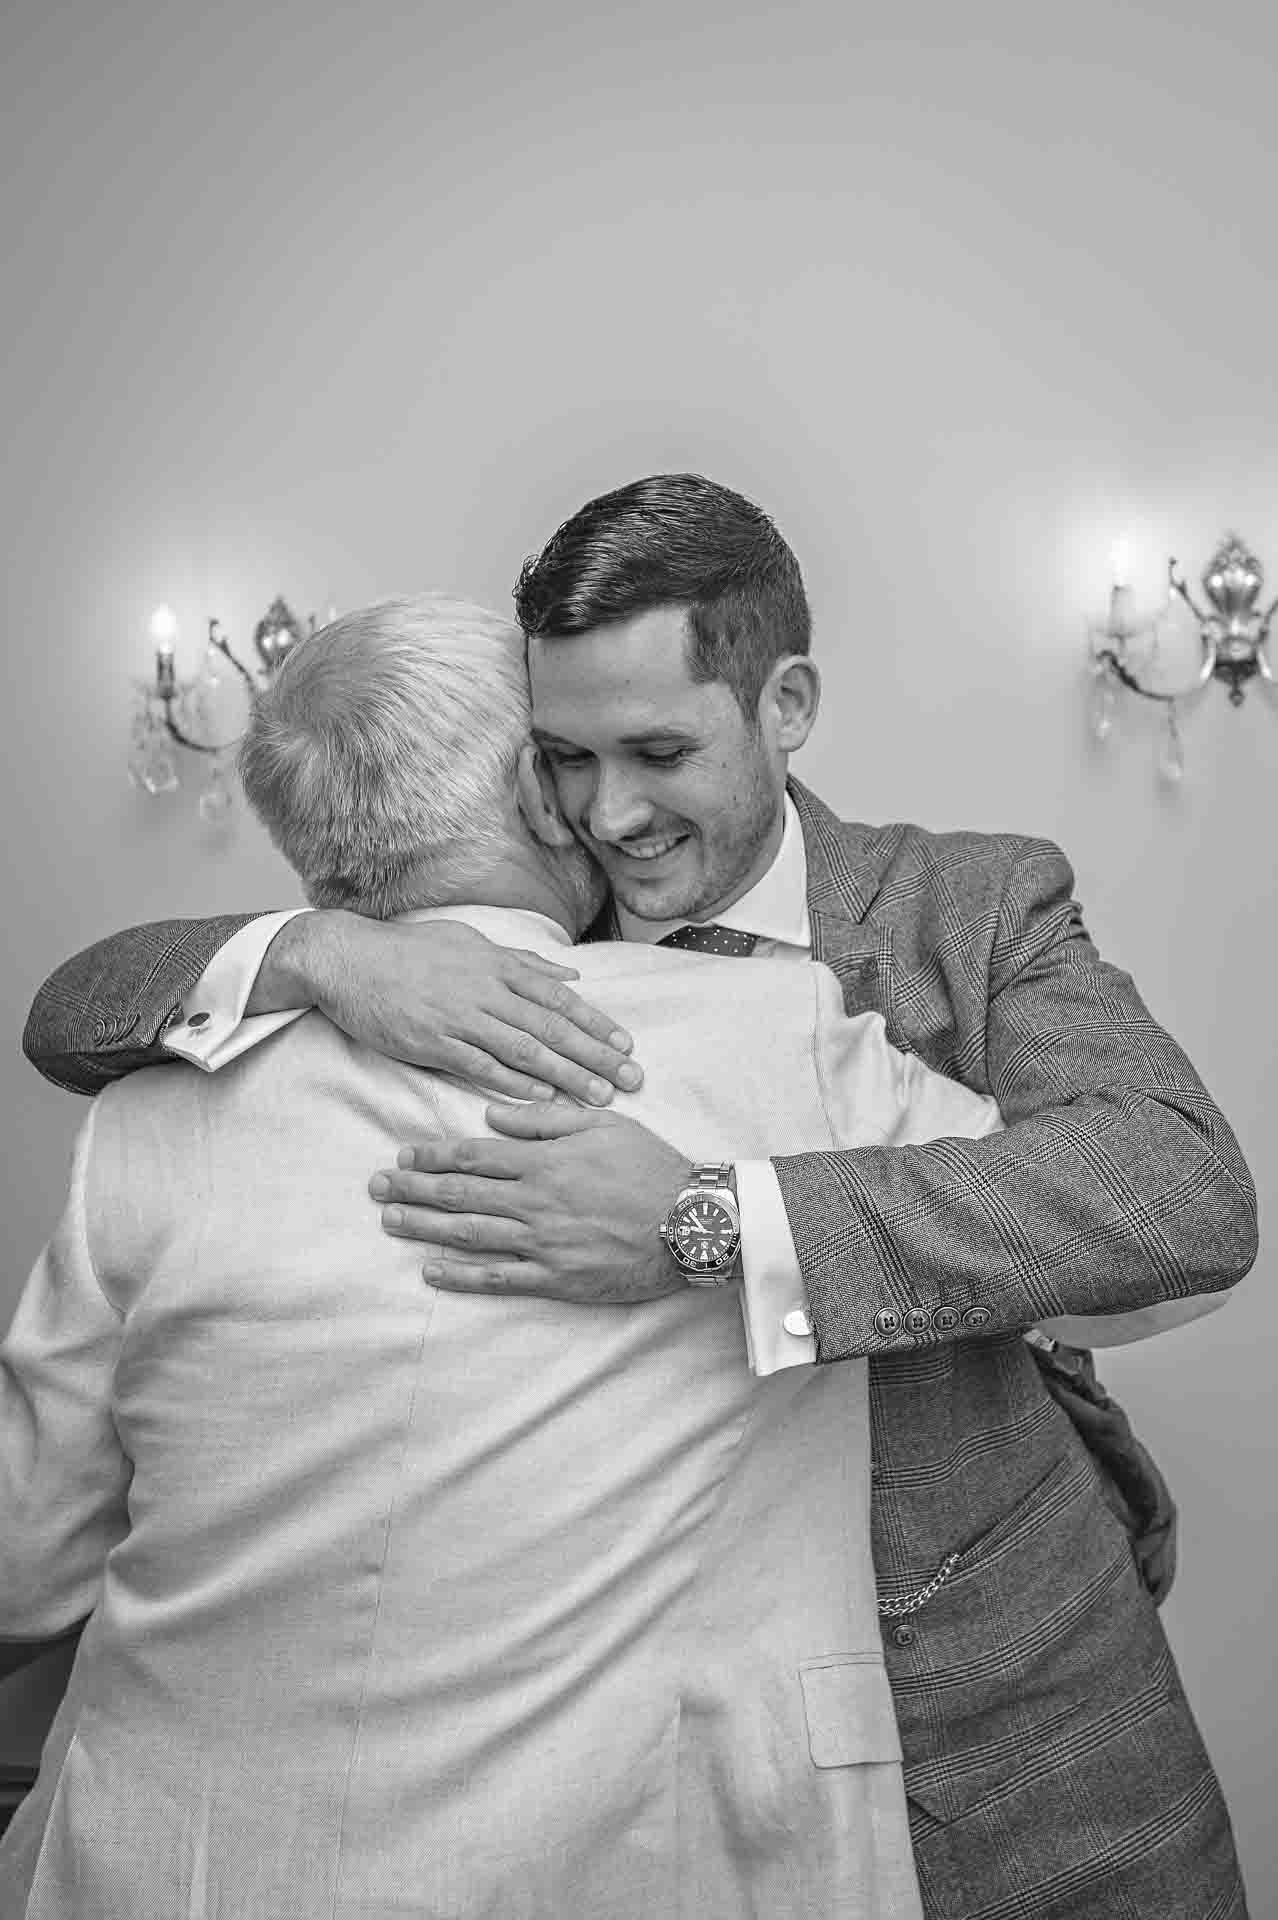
[1053, 1766]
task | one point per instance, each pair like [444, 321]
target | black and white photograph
[639, 1109]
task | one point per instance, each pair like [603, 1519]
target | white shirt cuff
[212, 1029]
[774, 1300]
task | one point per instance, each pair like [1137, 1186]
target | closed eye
[672, 758]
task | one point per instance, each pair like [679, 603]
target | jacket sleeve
[1117, 1182]
[104, 1013]
[64, 1477]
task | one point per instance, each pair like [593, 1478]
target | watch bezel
[725, 1200]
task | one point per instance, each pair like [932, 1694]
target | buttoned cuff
[774, 1300]
[211, 1029]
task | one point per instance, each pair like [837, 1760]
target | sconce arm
[1263, 667]
[1110, 647]
[1109, 658]
[1178, 584]
[219, 640]
[175, 732]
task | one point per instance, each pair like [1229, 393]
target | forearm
[1117, 1183]
[1102, 1208]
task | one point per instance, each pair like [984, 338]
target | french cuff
[211, 1028]
[774, 1300]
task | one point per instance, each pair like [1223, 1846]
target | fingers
[511, 1062]
[456, 1272]
[481, 1235]
[488, 1165]
[543, 1120]
[540, 964]
[565, 1024]
[565, 1060]
[481, 1070]
[558, 998]
[489, 1076]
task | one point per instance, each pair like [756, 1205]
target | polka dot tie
[730, 942]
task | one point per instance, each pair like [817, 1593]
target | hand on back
[441, 995]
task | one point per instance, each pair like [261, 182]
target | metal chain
[897, 1609]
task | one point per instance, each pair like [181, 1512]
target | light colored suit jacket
[434, 1604]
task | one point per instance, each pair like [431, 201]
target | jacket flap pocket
[848, 1703]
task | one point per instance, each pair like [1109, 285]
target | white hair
[381, 758]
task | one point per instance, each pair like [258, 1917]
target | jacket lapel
[842, 884]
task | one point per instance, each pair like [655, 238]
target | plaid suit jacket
[1052, 1762]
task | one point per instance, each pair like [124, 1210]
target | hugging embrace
[687, 1495]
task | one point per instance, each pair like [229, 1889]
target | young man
[668, 653]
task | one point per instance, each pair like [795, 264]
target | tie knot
[730, 942]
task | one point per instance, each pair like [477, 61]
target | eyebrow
[645, 737]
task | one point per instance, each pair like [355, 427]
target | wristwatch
[703, 1227]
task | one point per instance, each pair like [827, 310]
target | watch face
[704, 1235]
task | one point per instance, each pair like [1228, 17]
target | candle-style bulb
[164, 628]
[164, 633]
[1121, 563]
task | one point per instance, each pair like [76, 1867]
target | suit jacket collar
[843, 879]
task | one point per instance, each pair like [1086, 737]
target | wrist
[702, 1229]
[300, 963]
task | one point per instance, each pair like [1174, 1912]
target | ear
[789, 701]
[535, 793]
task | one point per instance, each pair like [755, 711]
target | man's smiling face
[658, 775]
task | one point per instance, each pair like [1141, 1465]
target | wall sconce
[1233, 634]
[186, 713]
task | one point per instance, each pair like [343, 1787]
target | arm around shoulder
[1070, 1043]
[104, 1012]
[1117, 1181]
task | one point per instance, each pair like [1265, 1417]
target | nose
[617, 808]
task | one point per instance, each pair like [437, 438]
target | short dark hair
[675, 539]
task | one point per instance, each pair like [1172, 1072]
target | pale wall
[366, 303]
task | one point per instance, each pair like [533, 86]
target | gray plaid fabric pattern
[1052, 1762]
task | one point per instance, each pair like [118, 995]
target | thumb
[540, 1119]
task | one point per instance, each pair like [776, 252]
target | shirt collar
[776, 907]
[508, 926]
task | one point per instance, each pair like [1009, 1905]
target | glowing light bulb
[164, 628]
